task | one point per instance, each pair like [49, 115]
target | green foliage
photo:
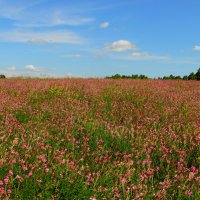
[22, 116]
[2, 76]
[198, 74]
[171, 77]
[133, 76]
[191, 76]
[55, 91]
[116, 76]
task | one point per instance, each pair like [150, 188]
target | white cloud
[71, 20]
[146, 56]
[32, 68]
[121, 45]
[105, 25]
[123, 49]
[72, 56]
[64, 37]
[31, 74]
[196, 48]
[12, 68]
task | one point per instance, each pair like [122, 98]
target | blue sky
[51, 38]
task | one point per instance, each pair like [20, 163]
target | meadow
[99, 139]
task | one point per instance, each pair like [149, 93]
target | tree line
[133, 76]
[191, 76]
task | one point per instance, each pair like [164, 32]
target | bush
[2, 76]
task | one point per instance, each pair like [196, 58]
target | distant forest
[191, 76]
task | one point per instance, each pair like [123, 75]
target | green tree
[185, 77]
[116, 76]
[143, 77]
[198, 74]
[2, 76]
[134, 76]
[192, 76]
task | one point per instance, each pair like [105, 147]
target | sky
[98, 38]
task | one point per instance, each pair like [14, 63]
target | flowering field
[99, 139]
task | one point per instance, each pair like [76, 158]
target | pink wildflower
[10, 173]
[191, 175]
[188, 192]
[47, 170]
[6, 180]
[9, 191]
[30, 174]
[1, 183]
[1, 191]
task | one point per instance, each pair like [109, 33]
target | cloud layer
[72, 56]
[46, 37]
[29, 71]
[22, 14]
[146, 56]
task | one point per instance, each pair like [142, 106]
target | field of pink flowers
[99, 139]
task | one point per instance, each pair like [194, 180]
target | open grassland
[99, 139]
